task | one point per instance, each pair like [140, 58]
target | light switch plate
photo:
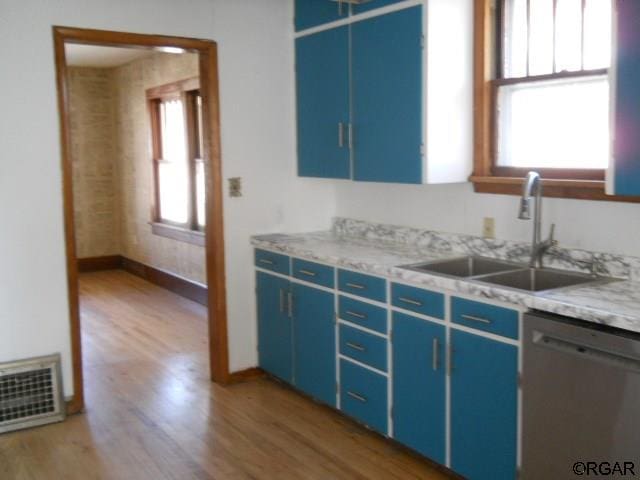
[489, 227]
[235, 187]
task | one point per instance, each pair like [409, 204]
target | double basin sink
[506, 274]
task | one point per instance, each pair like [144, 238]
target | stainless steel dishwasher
[581, 397]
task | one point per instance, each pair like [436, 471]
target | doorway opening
[201, 219]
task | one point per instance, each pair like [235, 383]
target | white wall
[600, 226]
[256, 65]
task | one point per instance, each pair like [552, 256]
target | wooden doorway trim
[217, 311]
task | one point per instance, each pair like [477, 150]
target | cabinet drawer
[363, 285]
[363, 347]
[482, 316]
[364, 314]
[363, 395]
[313, 272]
[418, 300]
[272, 261]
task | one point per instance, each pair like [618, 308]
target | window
[176, 139]
[542, 94]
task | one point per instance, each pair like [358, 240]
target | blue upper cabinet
[275, 332]
[311, 13]
[314, 342]
[322, 84]
[484, 399]
[387, 97]
[419, 385]
[625, 171]
[373, 4]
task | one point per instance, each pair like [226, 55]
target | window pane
[541, 37]
[597, 34]
[555, 124]
[172, 179]
[199, 124]
[200, 204]
[172, 131]
[515, 38]
[569, 35]
[172, 169]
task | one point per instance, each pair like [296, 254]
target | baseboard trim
[95, 264]
[246, 375]
[181, 286]
[174, 283]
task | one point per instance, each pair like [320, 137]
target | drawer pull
[434, 358]
[476, 319]
[410, 301]
[358, 397]
[355, 314]
[357, 286]
[307, 272]
[281, 300]
[356, 346]
[267, 262]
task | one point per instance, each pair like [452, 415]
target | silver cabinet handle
[355, 314]
[476, 319]
[307, 272]
[356, 286]
[358, 397]
[290, 304]
[410, 301]
[355, 346]
[281, 300]
[350, 135]
[340, 134]
[434, 358]
[268, 262]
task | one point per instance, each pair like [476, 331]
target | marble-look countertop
[615, 304]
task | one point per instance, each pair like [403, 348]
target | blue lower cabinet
[314, 342]
[274, 326]
[363, 395]
[363, 347]
[419, 374]
[484, 395]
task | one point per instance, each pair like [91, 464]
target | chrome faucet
[533, 185]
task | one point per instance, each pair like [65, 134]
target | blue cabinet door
[373, 4]
[419, 385]
[626, 172]
[311, 13]
[322, 84]
[484, 398]
[387, 97]
[274, 326]
[314, 342]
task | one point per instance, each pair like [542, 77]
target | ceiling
[102, 57]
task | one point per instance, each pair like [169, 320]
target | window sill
[556, 188]
[178, 233]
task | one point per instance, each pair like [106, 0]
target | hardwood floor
[152, 412]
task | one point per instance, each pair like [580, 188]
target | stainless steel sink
[465, 267]
[537, 280]
[506, 274]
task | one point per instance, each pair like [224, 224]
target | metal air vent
[30, 393]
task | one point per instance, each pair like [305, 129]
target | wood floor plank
[152, 412]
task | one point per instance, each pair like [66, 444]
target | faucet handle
[552, 241]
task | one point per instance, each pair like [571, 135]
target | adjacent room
[320, 239]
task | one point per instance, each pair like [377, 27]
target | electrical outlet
[489, 227]
[235, 187]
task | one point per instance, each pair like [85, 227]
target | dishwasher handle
[586, 351]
